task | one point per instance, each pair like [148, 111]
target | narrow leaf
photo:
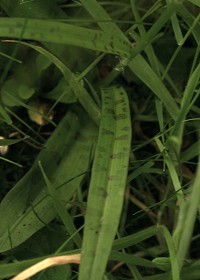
[65, 157]
[54, 32]
[60, 209]
[108, 181]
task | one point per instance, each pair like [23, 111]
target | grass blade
[105, 22]
[195, 2]
[107, 185]
[78, 89]
[53, 32]
[177, 29]
[61, 210]
[189, 97]
[144, 72]
[5, 116]
[132, 239]
[171, 165]
[157, 26]
[188, 216]
[173, 258]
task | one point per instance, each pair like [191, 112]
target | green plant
[116, 178]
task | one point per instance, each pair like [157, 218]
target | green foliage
[113, 171]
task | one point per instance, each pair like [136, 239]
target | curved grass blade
[9, 269]
[78, 90]
[65, 157]
[60, 209]
[5, 115]
[108, 181]
[7, 142]
[175, 272]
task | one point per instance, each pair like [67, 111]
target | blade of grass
[176, 27]
[11, 162]
[60, 209]
[189, 19]
[195, 2]
[107, 184]
[172, 253]
[10, 57]
[7, 270]
[149, 49]
[189, 96]
[85, 99]
[181, 43]
[7, 142]
[131, 259]
[144, 72]
[132, 239]
[135, 272]
[189, 216]
[140, 170]
[171, 165]
[46, 263]
[191, 152]
[153, 62]
[102, 18]
[37, 9]
[54, 31]
[156, 27]
[5, 116]
[14, 54]
[143, 235]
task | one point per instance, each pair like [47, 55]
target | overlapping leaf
[65, 158]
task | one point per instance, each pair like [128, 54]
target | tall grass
[100, 109]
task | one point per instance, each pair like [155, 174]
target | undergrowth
[99, 112]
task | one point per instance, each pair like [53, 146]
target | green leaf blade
[65, 163]
[53, 32]
[108, 182]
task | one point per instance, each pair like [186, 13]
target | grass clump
[100, 110]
